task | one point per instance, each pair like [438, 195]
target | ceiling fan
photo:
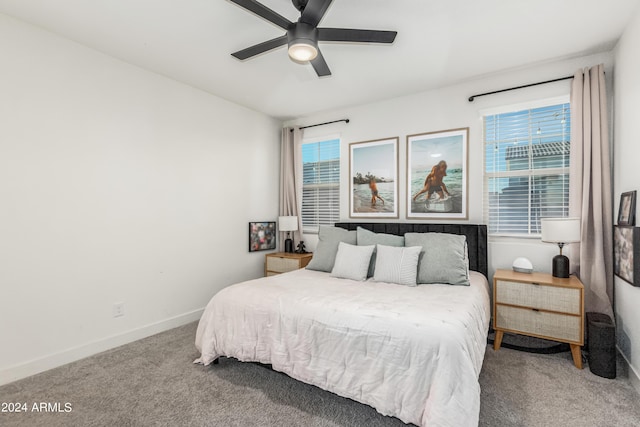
[302, 37]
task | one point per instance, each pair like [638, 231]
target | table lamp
[560, 231]
[288, 224]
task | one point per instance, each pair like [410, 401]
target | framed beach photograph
[373, 174]
[262, 236]
[437, 174]
[626, 253]
[627, 209]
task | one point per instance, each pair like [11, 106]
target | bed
[412, 352]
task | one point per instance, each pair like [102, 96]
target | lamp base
[560, 266]
[288, 246]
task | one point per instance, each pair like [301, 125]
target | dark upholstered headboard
[476, 236]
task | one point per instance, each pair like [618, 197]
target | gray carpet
[152, 382]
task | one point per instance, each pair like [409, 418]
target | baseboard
[634, 378]
[55, 360]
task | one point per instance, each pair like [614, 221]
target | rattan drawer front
[551, 325]
[282, 265]
[553, 298]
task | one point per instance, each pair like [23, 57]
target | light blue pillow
[352, 262]
[366, 237]
[397, 265]
[442, 259]
[328, 239]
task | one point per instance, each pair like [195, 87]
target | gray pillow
[366, 237]
[328, 239]
[352, 262]
[397, 265]
[442, 259]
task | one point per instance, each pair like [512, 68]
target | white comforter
[410, 352]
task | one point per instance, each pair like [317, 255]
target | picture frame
[626, 253]
[437, 175]
[627, 209]
[373, 177]
[262, 236]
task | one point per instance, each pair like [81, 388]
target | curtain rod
[471, 98]
[322, 124]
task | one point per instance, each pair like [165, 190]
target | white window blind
[526, 168]
[320, 184]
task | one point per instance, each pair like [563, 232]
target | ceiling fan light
[302, 52]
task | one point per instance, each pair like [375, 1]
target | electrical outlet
[118, 309]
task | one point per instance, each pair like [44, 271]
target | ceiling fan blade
[320, 65]
[314, 11]
[260, 48]
[358, 36]
[264, 12]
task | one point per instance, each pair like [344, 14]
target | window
[526, 168]
[320, 183]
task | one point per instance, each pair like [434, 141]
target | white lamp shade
[560, 230]
[288, 223]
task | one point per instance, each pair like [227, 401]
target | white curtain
[590, 188]
[290, 166]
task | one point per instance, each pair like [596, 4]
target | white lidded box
[522, 265]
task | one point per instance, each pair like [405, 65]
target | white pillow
[352, 262]
[397, 265]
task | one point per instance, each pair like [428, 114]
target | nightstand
[539, 305]
[282, 262]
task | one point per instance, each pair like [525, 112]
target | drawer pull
[535, 309]
[535, 283]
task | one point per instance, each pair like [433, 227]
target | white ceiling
[439, 42]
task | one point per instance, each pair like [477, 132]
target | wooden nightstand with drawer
[282, 262]
[539, 305]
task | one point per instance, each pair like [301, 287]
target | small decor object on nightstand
[300, 249]
[288, 224]
[522, 265]
[560, 231]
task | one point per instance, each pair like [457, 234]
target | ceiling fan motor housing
[301, 32]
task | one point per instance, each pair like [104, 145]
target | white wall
[448, 108]
[116, 185]
[627, 178]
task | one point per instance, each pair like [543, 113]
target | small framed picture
[262, 236]
[626, 253]
[627, 210]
